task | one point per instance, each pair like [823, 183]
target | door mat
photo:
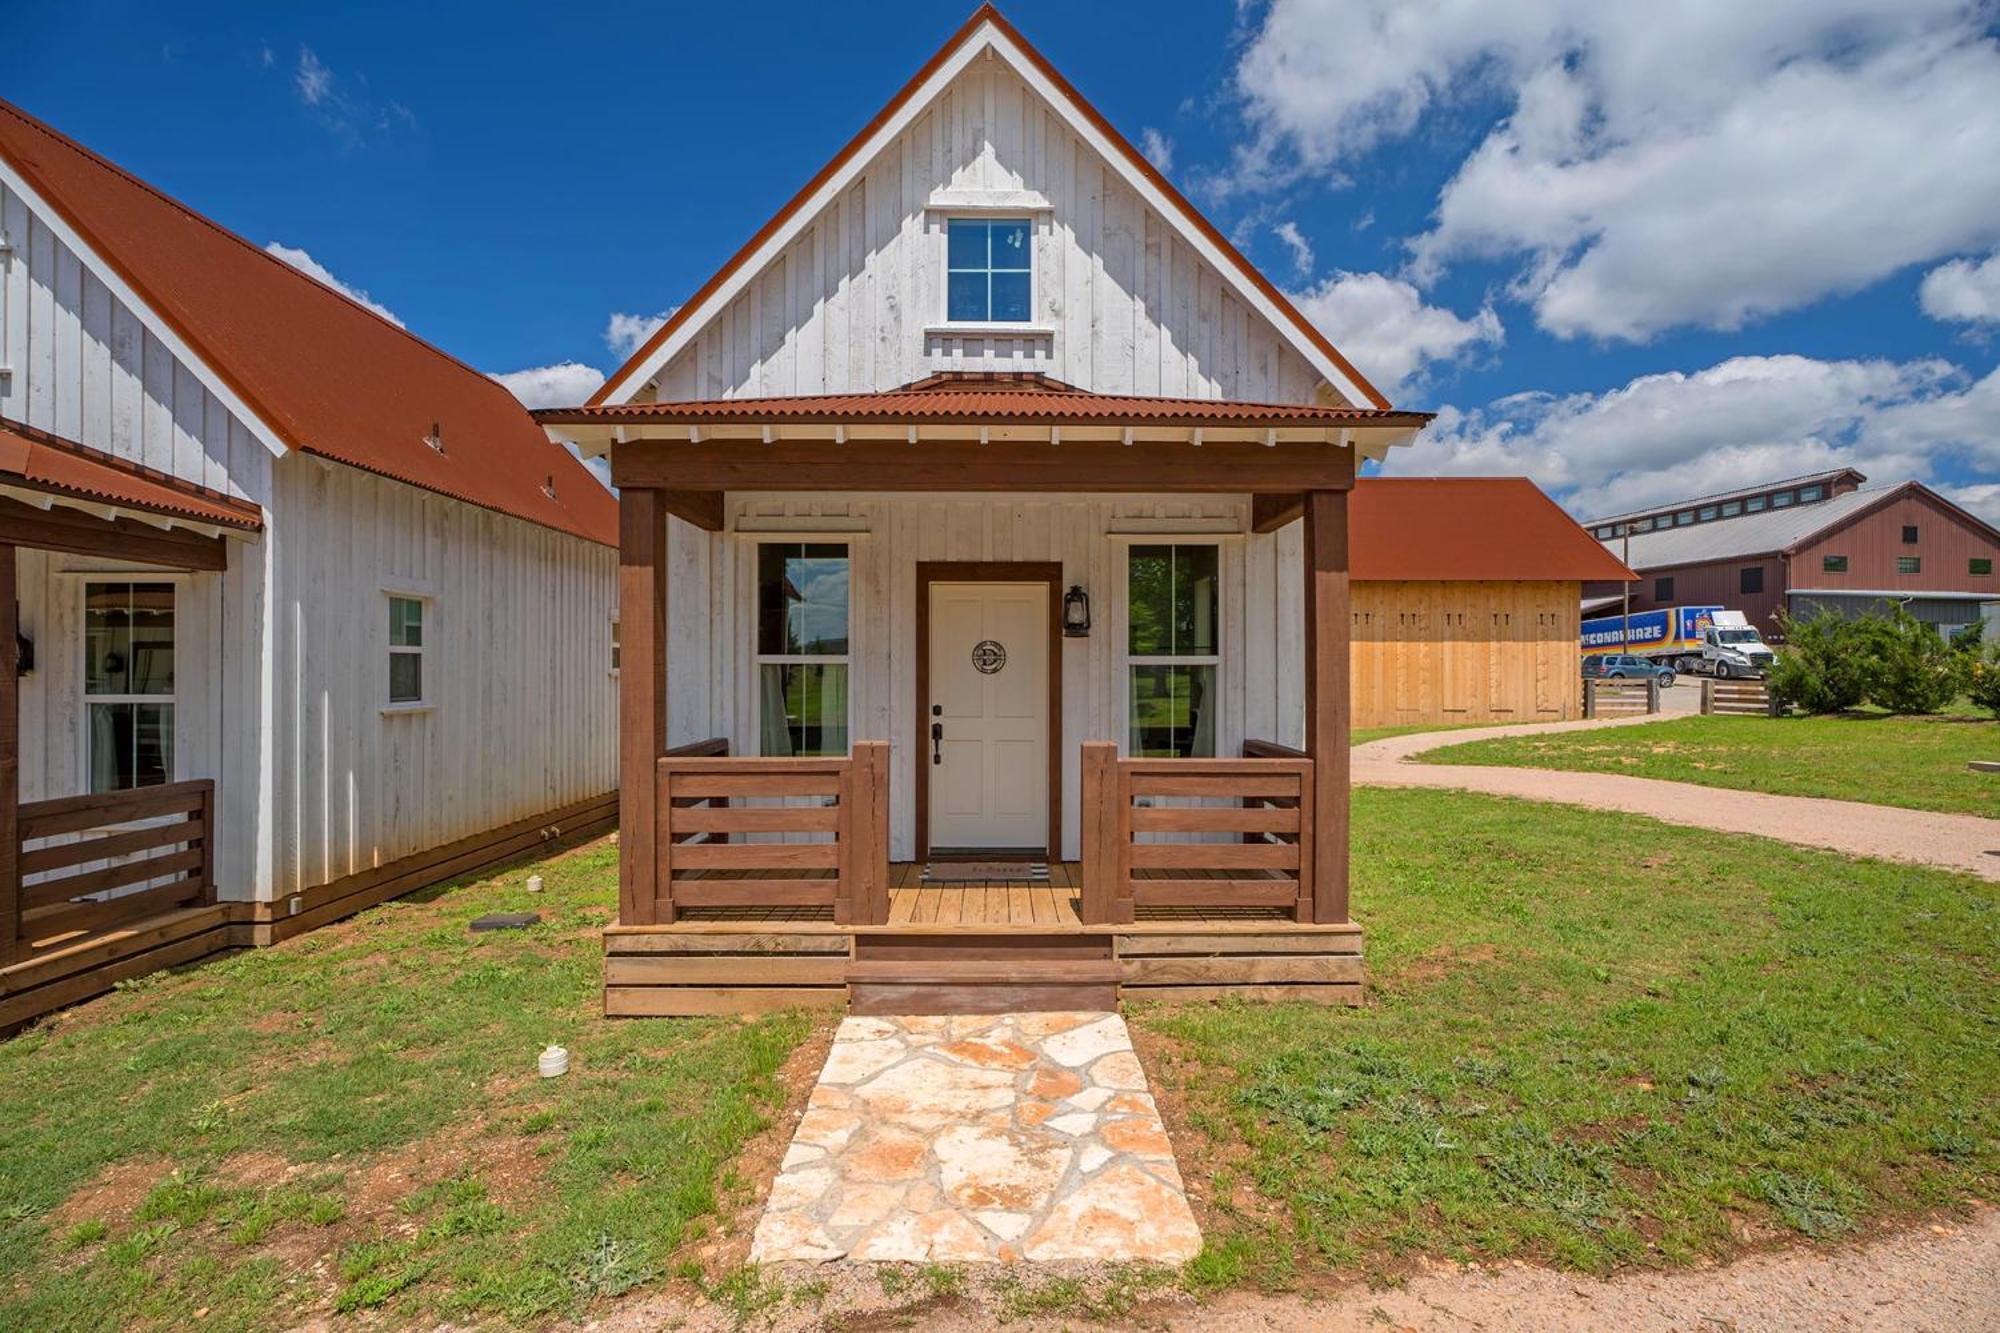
[978, 872]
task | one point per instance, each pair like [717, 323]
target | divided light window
[1173, 646]
[802, 648]
[128, 684]
[989, 278]
[406, 650]
[1909, 564]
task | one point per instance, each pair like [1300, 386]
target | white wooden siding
[712, 689]
[517, 670]
[82, 364]
[1131, 308]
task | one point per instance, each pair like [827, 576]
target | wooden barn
[985, 590]
[280, 582]
[1467, 592]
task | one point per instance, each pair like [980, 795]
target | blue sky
[1632, 251]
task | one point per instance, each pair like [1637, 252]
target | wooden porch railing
[747, 832]
[77, 848]
[1247, 843]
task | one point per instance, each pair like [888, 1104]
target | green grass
[366, 1095]
[1916, 762]
[1597, 1041]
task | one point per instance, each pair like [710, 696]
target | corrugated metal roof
[39, 461]
[1469, 529]
[327, 376]
[1748, 535]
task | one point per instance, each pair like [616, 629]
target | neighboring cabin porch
[782, 861]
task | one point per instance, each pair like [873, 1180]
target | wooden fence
[1620, 698]
[751, 833]
[1238, 833]
[1738, 698]
[77, 854]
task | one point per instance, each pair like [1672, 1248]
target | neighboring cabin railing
[1257, 803]
[749, 832]
[76, 849]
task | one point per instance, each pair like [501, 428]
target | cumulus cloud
[1295, 241]
[1963, 292]
[1744, 420]
[564, 384]
[1659, 165]
[1384, 327]
[625, 334]
[312, 268]
[1982, 498]
[1158, 148]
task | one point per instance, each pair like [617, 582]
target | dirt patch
[114, 1194]
[1441, 962]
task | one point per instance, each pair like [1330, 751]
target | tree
[1909, 666]
[1823, 667]
[1984, 680]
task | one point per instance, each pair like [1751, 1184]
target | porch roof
[60, 471]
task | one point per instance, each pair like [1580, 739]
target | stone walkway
[988, 1138]
[1951, 842]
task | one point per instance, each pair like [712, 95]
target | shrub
[1823, 668]
[1984, 682]
[1909, 666]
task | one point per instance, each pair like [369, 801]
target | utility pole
[1625, 617]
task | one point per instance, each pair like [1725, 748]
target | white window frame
[84, 578]
[617, 645]
[427, 601]
[944, 324]
[759, 659]
[1126, 659]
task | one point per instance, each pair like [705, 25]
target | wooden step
[983, 972]
[946, 973]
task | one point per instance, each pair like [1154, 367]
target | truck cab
[1731, 646]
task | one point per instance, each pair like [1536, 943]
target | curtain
[772, 725]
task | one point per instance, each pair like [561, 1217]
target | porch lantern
[24, 655]
[1076, 613]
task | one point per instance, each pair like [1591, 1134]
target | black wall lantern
[24, 654]
[1076, 612]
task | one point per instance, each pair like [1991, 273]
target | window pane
[966, 244]
[802, 600]
[802, 709]
[1172, 712]
[152, 638]
[614, 645]
[131, 745]
[1010, 297]
[1979, 564]
[107, 633]
[1909, 564]
[1195, 600]
[1833, 564]
[406, 622]
[1150, 600]
[152, 744]
[406, 678]
[1807, 494]
[1173, 599]
[1010, 245]
[968, 297]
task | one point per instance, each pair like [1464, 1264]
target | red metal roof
[1465, 529]
[39, 461]
[983, 401]
[327, 376]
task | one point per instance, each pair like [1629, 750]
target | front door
[986, 738]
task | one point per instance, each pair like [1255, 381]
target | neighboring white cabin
[279, 683]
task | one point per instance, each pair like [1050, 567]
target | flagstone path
[980, 1138]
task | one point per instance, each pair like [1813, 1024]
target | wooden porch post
[642, 703]
[1328, 700]
[10, 764]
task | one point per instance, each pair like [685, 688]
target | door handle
[937, 742]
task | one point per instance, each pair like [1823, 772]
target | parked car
[1626, 666]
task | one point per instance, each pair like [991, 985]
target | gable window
[1663, 590]
[1172, 642]
[1909, 564]
[1909, 534]
[128, 684]
[802, 648]
[406, 651]
[989, 276]
[1833, 564]
[1750, 579]
[1979, 564]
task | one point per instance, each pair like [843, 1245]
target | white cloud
[1963, 292]
[312, 268]
[1745, 420]
[312, 78]
[1659, 165]
[1295, 241]
[564, 384]
[1982, 498]
[1384, 327]
[625, 334]
[1158, 148]
[345, 107]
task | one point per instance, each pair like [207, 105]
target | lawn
[1598, 1042]
[351, 1121]
[1917, 762]
[1591, 1039]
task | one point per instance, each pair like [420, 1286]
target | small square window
[1750, 579]
[406, 650]
[1663, 590]
[1833, 564]
[988, 265]
[1909, 534]
[1979, 564]
[1909, 564]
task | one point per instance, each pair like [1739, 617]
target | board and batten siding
[522, 706]
[1434, 652]
[850, 305]
[711, 677]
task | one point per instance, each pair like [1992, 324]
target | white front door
[986, 738]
